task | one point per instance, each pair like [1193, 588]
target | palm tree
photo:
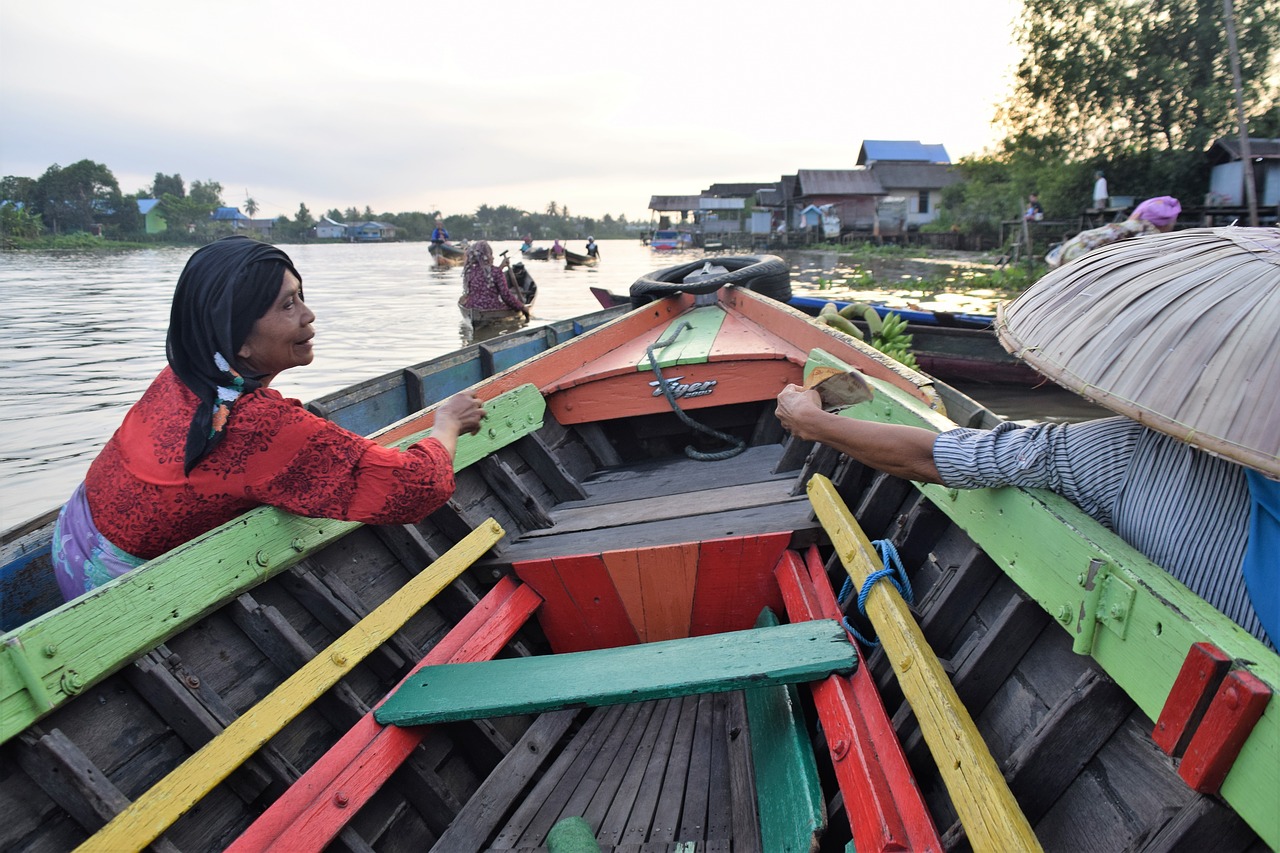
[250, 206]
[553, 209]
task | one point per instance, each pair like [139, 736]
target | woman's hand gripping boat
[627, 615]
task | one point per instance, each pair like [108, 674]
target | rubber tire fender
[767, 275]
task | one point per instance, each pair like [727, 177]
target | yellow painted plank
[151, 814]
[991, 816]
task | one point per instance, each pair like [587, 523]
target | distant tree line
[86, 198]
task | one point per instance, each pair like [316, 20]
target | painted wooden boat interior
[583, 526]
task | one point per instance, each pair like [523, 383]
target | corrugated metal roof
[910, 150]
[914, 176]
[145, 205]
[1267, 149]
[838, 182]
[743, 190]
[674, 202]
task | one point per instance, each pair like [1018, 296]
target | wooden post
[986, 807]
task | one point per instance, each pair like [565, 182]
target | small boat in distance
[540, 254]
[448, 255]
[665, 241]
[519, 280]
[573, 259]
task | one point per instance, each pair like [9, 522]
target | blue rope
[893, 571]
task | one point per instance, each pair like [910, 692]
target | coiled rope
[690, 450]
[895, 574]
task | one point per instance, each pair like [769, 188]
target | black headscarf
[223, 290]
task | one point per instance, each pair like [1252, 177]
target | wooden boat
[943, 349]
[447, 255]
[541, 254]
[586, 631]
[519, 279]
[573, 259]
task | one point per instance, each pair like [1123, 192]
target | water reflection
[82, 335]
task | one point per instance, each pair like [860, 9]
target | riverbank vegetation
[1139, 90]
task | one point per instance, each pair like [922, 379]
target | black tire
[767, 275]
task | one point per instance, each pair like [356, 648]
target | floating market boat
[626, 619]
[448, 255]
[521, 282]
[540, 254]
[573, 259]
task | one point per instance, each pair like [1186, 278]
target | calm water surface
[82, 335]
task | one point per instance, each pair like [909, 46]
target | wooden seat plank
[369, 753]
[794, 516]
[883, 803]
[792, 813]
[701, 502]
[763, 656]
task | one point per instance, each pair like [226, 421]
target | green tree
[74, 198]
[250, 206]
[1104, 78]
[168, 184]
[187, 215]
[207, 193]
[303, 218]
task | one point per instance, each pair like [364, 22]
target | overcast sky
[406, 106]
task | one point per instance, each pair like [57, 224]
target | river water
[82, 335]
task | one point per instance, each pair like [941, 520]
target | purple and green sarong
[82, 557]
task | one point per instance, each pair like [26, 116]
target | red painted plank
[322, 800]
[886, 811]
[735, 582]
[668, 576]
[1201, 674]
[1235, 708]
[582, 609]
[630, 394]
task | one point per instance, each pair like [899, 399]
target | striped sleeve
[1085, 462]
[1183, 509]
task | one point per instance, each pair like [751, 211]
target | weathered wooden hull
[448, 256]
[580, 524]
[573, 259]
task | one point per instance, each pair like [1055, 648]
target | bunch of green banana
[894, 341]
[889, 335]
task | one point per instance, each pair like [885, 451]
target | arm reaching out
[903, 451]
[460, 413]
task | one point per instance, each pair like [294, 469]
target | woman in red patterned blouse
[210, 439]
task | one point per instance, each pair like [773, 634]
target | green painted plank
[62, 653]
[788, 794]
[779, 655]
[1047, 545]
[691, 346]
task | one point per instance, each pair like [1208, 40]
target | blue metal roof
[145, 205]
[905, 149]
[228, 213]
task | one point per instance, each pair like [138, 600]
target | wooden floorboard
[675, 475]
[648, 776]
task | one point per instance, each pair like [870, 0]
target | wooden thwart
[983, 801]
[785, 654]
[153, 812]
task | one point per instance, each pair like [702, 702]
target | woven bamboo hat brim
[1179, 331]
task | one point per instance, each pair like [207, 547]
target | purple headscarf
[1161, 211]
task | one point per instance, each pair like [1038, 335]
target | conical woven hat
[1178, 331]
